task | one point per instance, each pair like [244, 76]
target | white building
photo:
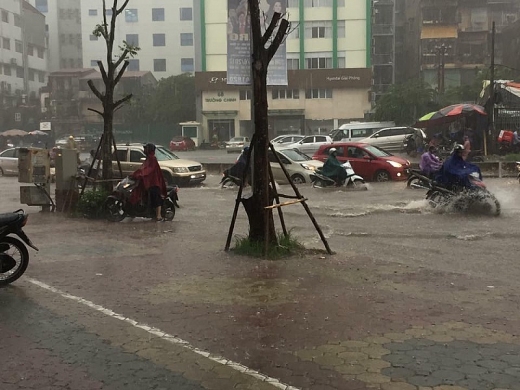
[163, 30]
[23, 59]
[328, 62]
[63, 26]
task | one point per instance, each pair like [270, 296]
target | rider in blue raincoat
[455, 172]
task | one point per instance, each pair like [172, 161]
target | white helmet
[332, 150]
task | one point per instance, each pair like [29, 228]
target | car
[182, 144]
[368, 161]
[175, 170]
[237, 144]
[9, 162]
[310, 143]
[390, 138]
[298, 165]
[287, 139]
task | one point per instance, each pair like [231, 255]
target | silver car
[310, 143]
[389, 139]
[298, 165]
[287, 139]
[237, 144]
[9, 162]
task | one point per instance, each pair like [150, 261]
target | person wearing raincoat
[333, 168]
[455, 171]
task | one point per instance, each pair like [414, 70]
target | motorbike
[118, 206]
[461, 198]
[518, 169]
[418, 180]
[319, 180]
[14, 256]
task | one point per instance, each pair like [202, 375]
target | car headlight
[180, 170]
[309, 167]
[395, 164]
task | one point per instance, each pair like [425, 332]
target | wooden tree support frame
[297, 199]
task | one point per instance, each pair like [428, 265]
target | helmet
[246, 149]
[332, 150]
[458, 148]
[149, 148]
[71, 137]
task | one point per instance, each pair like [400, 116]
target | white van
[356, 131]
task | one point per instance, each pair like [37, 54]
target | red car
[368, 161]
[182, 144]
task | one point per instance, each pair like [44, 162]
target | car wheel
[382, 176]
[297, 179]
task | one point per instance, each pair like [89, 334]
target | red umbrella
[449, 114]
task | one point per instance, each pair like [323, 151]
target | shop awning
[439, 32]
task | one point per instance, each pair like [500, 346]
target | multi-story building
[23, 62]
[163, 30]
[456, 39]
[328, 61]
[63, 26]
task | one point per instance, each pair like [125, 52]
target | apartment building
[63, 32]
[23, 57]
[455, 38]
[163, 30]
[328, 62]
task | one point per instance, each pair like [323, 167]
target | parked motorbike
[118, 206]
[518, 169]
[462, 199]
[319, 180]
[14, 257]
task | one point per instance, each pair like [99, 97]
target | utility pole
[491, 121]
[441, 50]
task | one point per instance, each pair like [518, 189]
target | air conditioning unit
[13, 61]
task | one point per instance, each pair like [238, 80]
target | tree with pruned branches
[111, 73]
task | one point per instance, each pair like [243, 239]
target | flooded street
[411, 299]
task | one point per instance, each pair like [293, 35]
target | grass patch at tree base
[286, 246]
[91, 204]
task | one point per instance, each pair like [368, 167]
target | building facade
[63, 32]
[328, 61]
[163, 30]
[23, 57]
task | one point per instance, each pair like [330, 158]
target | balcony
[383, 29]
[382, 59]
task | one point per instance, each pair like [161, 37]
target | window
[133, 65]
[5, 16]
[42, 6]
[159, 39]
[285, 94]
[30, 50]
[108, 12]
[18, 46]
[132, 39]
[186, 14]
[40, 52]
[158, 14]
[31, 74]
[318, 94]
[131, 15]
[186, 39]
[318, 32]
[41, 77]
[323, 3]
[187, 65]
[308, 140]
[318, 29]
[341, 29]
[17, 20]
[92, 12]
[159, 65]
[293, 4]
[246, 94]
[136, 156]
[93, 63]
[9, 153]
[7, 70]
[319, 61]
[293, 63]
[6, 43]
[19, 72]
[93, 37]
[121, 155]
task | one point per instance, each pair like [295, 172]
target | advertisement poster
[239, 40]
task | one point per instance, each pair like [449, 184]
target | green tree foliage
[405, 102]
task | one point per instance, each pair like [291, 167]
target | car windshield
[295, 155]
[163, 154]
[237, 139]
[376, 151]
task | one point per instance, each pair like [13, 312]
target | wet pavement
[412, 299]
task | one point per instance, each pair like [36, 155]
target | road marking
[172, 339]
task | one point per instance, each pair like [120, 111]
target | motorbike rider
[430, 163]
[237, 170]
[333, 168]
[151, 181]
[454, 173]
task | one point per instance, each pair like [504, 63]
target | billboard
[239, 43]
